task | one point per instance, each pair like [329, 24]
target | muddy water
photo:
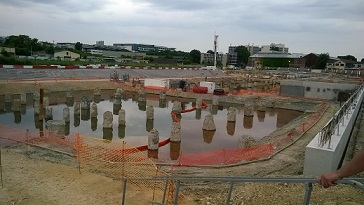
[194, 139]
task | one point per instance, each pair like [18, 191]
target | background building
[67, 55]
[65, 45]
[208, 59]
[274, 60]
[335, 64]
[136, 47]
[233, 57]
[279, 47]
[100, 43]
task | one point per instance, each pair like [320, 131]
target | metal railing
[329, 129]
[355, 182]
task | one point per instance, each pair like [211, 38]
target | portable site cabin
[210, 86]
[153, 83]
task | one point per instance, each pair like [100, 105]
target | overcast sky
[332, 26]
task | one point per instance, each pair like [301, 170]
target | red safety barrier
[71, 67]
[200, 89]
[18, 66]
[155, 87]
[44, 67]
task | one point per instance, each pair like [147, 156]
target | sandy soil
[40, 177]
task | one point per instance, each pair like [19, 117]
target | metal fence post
[176, 194]
[308, 188]
[230, 192]
[165, 191]
[1, 170]
[124, 191]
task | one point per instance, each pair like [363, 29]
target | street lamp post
[289, 62]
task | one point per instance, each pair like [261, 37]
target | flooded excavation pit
[166, 129]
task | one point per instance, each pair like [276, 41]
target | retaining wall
[327, 158]
[314, 89]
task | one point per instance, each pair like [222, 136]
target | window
[67, 53]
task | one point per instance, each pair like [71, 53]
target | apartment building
[233, 57]
[208, 59]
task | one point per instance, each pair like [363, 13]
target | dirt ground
[47, 178]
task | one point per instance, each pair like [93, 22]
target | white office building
[279, 47]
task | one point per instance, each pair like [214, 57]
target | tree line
[27, 46]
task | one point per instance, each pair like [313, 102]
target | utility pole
[215, 49]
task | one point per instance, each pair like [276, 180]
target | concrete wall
[319, 160]
[292, 88]
[314, 89]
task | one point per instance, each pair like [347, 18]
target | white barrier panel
[327, 158]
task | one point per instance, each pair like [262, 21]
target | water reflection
[248, 122]
[115, 108]
[198, 114]
[85, 114]
[17, 117]
[230, 128]
[94, 123]
[225, 136]
[153, 154]
[214, 109]
[67, 128]
[271, 111]
[23, 109]
[69, 101]
[142, 105]
[77, 120]
[7, 106]
[97, 98]
[208, 135]
[261, 116]
[149, 125]
[175, 150]
[107, 134]
[121, 131]
[162, 103]
[38, 123]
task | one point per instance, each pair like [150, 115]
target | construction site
[137, 136]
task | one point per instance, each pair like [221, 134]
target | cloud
[191, 24]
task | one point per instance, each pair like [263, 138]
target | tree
[210, 51]
[362, 60]
[195, 56]
[243, 55]
[348, 57]
[5, 53]
[78, 46]
[321, 61]
[49, 50]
